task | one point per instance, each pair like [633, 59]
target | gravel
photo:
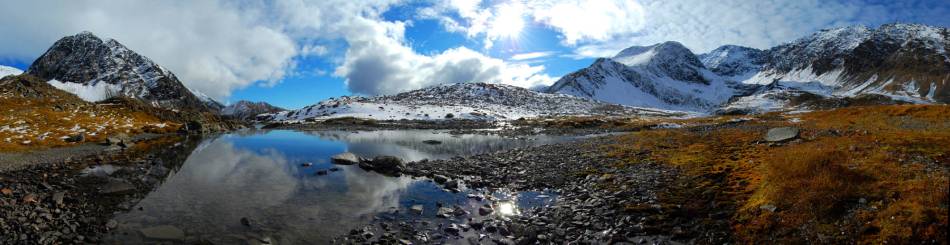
[598, 202]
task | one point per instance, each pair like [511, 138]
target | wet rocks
[345, 158]
[597, 202]
[485, 210]
[781, 134]
[306, 164]
[163, 232]
[432, 142]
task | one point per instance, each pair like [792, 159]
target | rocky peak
[670, 59]
[86, 59]
[732, 60]
[247, 109]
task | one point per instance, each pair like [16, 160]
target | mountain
[664, 76]
[733, 61]
[249, 110]
[86, 63]
[477, 101]
[900, 62]
[7, 71]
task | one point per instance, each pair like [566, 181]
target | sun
[509, 21]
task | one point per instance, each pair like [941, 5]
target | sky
[294, 53]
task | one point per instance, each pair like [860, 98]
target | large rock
[388, 165]
[345, 158]
[781, 134]
[164, 232]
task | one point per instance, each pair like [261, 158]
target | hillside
[38, 115]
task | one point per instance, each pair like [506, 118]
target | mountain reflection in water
[260, 178]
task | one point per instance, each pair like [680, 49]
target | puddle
[281, 186]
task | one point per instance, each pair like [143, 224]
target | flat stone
[116, 186]
[163, 232]
[417, 209]
[345, 158]
[58, 197]
[781, 134]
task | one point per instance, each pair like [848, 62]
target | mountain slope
[476, 101]
[664, 76]
[86, 60]
[733, 61]
[41, 115]
[248, 110]
[903, 61]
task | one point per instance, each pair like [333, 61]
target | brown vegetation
[857, 175]
[36, 115]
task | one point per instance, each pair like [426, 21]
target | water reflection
[237, 188]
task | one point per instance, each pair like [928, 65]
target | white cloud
[600, 28]
[213, 47]
[531, 55]
[377, 59]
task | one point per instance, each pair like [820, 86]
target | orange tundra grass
[877, 174]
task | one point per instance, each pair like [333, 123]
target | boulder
[386, 165]
[441, 179]
[781, 134]
[76, 138]
[345, 158]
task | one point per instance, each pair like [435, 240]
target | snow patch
[9, 71]
[95, 92]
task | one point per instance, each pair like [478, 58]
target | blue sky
[296, 52]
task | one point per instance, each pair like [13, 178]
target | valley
[837, 137]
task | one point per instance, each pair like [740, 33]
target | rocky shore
[72, 200]
[599, 201]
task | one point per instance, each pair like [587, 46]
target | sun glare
[509, 21]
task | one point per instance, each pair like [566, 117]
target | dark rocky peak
[86, 59]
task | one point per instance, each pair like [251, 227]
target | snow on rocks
[474, 101]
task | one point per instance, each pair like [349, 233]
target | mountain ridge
[906, 62]
[474, 101]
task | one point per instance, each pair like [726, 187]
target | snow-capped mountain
[665, 76]
[95, 64]
[248, 110]
[733, 61]
[904, 62]
[477, 101]
[7, 71]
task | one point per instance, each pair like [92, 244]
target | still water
[260, 178]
